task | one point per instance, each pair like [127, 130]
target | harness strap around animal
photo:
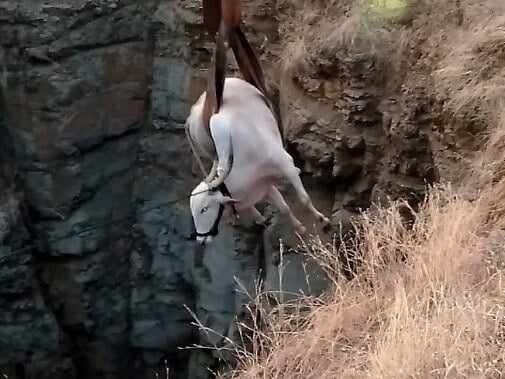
[222, 18]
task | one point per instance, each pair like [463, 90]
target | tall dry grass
[429, 297]
[428, 301]
[470, 79]
[344, 31]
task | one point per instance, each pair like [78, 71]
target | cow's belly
[251, 189]
[255, 170]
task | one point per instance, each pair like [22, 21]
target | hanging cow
[234, 120]
[250, 151]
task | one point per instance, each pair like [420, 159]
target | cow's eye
[204, 209]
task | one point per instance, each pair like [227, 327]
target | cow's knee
[305, 199]
[283, 208]
[291, 171]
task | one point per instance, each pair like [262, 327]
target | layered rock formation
[94, 97]
[99, 277]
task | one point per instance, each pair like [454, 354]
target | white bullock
[250, 158]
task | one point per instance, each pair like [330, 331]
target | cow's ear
[228, 200]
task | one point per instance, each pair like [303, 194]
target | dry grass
[344, 32]
[429, 298]
[438, 313]
[471, 77]
[462, 44]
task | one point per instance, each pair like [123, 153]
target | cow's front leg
[278, 200]
[222, 140]
[212, 172]
[222, 173]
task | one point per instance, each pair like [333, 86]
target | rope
[95, 227]
[197, 157]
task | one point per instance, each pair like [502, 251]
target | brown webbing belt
[222, 18]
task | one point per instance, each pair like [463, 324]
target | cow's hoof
[211, 187]
[323, 220]
[327, 228]
[261, 221]
[211, 183]
[300, 229]
[326, 224]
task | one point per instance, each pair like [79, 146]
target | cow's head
[207, 207]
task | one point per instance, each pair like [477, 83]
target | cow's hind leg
[292, 173]
[258, 217]
[278, 200]
[220, 131]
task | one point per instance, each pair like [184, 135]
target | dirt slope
[428, 299]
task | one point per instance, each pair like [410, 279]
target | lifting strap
[222, 18]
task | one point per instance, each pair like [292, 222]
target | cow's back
[254, 127]
[249, 108]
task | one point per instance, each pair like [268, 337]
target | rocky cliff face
[93, 100]
[98, 272]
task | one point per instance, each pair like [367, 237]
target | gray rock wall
[95, 176]
[75, 99]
